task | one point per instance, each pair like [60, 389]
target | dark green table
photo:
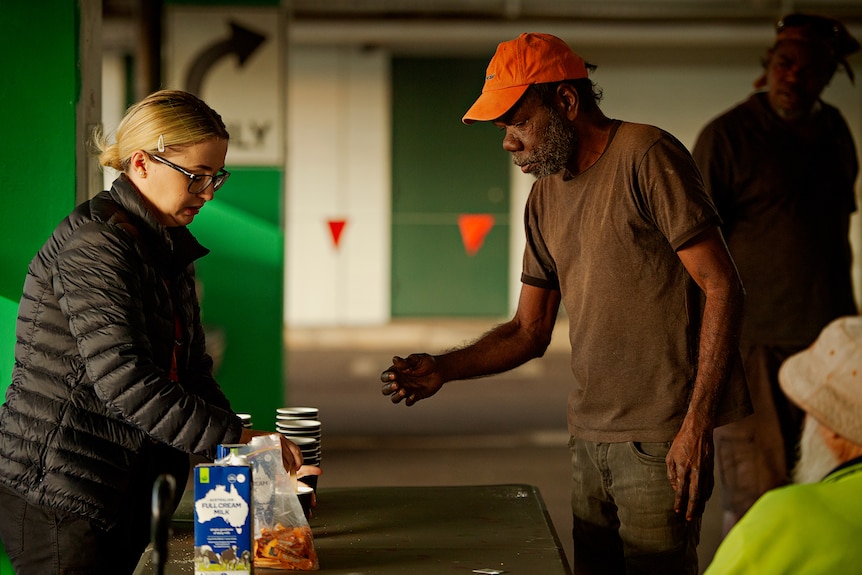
[415, 530]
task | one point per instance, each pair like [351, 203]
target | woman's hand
[291, 455]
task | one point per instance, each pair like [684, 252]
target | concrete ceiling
[462, 26]
[525, 10]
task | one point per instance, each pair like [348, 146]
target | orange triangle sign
[474, 228]
[335, 228]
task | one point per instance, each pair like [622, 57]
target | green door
[450, 194]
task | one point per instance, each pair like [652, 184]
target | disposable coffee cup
[299, 424]
[298, 430]
[305, 494]
[298, 412]
[306, 452]
[299, 427]
[315, 452]
[285, 417]
[307, 449]
[293, 437]
[310, 481]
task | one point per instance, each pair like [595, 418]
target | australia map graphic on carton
[223, 534]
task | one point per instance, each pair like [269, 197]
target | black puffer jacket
[90, 391]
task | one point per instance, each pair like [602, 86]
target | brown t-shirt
[607, 238]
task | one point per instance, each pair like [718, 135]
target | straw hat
[826, 379]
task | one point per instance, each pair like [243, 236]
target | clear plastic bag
[282, 536]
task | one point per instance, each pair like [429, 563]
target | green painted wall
[242, 281]
[38, 95]
[452, 169]
[37, 152]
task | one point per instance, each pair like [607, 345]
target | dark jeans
[622, 507]
[41, 541]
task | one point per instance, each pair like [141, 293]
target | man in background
[812, 527]
[781, 168]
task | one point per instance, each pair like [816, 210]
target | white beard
[816, 460]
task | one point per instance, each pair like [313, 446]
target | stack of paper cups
[301, 425]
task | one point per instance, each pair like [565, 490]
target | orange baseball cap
[528, 59]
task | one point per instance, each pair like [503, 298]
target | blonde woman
[112, 385]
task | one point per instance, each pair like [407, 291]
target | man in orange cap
[621, 232]
[781, 168]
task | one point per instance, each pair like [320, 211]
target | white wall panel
[337, 169]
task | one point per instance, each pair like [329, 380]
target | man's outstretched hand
[411, 379]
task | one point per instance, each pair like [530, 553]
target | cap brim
[493, 104]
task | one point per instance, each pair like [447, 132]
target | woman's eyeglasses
[197, 182]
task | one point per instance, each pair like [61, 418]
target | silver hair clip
[161, 142]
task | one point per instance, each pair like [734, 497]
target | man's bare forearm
[502, 348]
[719, 341]
[526, 336]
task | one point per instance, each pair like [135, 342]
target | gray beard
[816, 460]
[551, 155]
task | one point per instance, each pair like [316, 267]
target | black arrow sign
[242, 42]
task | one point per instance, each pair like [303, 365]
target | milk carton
[223, 517]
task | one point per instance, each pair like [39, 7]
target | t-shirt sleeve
[539, 269]
[672, 194]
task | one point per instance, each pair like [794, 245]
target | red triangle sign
[335, 228]
[474, 228]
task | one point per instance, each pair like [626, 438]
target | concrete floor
[509, 428]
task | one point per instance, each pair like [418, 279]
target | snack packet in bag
[282, 536]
